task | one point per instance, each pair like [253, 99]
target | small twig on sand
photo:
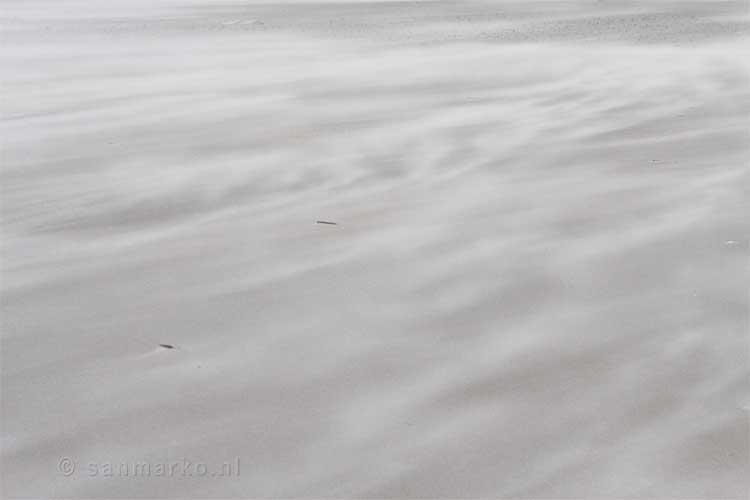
[325, 222]
[166, 346]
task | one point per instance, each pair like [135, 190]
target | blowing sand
[536, 286]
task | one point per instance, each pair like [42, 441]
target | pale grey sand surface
[537, 286]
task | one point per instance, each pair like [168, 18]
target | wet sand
[536, 287]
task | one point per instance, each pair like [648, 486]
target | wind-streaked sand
[537, 287]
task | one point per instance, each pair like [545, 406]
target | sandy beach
[536, 285]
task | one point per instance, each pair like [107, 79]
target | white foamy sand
[536, 287]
